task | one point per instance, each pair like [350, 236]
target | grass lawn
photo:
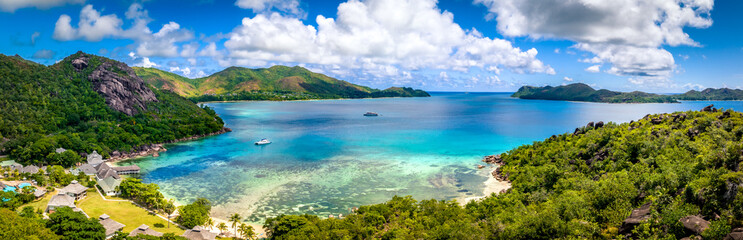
[125, 213]
[40, 203]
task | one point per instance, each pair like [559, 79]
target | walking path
[135, 204]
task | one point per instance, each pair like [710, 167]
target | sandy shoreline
[492, 185]
[258, 228]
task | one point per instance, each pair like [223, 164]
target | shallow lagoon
[327, 158]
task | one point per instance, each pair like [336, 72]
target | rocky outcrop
[736, 234]
[710, 108]
[637, 216]
[493, 159]
[694, 224]
[156, 149]
[123, 90]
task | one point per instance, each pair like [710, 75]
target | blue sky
[448, 45]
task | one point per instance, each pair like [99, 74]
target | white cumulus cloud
[629, 34]
[288, 6]
[379, 37]
[93, 26]
[594, 68]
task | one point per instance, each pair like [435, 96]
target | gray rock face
[737, 234]
[695, 224]
[123, 90]
[637, 216]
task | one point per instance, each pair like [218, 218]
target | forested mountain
[585, 93]
[274, 83]
[712, 94]
[665, 176]
[85, 103]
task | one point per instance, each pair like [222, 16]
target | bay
[326, 157]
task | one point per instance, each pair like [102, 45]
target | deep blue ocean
[326, 157]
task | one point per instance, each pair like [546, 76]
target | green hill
[712, 94]
[168, 81]
[585, 93]
[274, 83]
[665, 176]
[85, 103]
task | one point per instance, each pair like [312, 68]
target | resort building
[16, 167]
[59, 201]
[199, 233]
[75, 190]
[104, 171]
[38, 193]
[95, 159]
[85, 168]
[144, 229]
[126, 170]
[30, 169]
[110, 225]
[109, 186]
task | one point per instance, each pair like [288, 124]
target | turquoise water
[22, 185]
[326, 157]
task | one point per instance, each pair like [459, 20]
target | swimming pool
[9, 189]
[22, 185]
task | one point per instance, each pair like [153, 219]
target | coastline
[155, 149]
[301, 100]
[492, 186]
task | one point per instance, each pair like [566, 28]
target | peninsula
[584, 93]
[276, 83]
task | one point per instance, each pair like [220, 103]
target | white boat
[263, 142]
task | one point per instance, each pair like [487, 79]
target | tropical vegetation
[581, 185]
[50, 107]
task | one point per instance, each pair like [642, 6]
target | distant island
[276, 83]
[584, 93]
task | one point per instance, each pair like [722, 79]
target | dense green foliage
[585, 93]
[19, 227]
[146, 194]
[47, 107]
[194, 214]
[577, 186]
[11, 200]
[277, 83]
[74, 225]
[712, 94]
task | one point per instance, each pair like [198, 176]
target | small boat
[371, 114]
[263, 142]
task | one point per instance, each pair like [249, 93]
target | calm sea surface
[326, 157]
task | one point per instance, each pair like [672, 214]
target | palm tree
[247, 231]
[221, 226]
[169, 208]
[209, 223]
[234, 219]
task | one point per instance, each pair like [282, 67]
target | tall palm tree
[247, 231]
[209, 223]
[169, 208]
[234, 219]
[221, 226]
